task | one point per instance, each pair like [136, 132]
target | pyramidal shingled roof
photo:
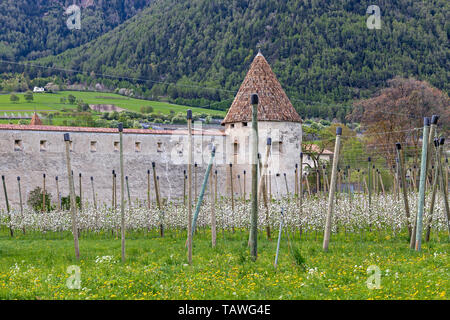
[274, 105]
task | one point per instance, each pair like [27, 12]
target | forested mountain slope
[32, 29]
[320, 50]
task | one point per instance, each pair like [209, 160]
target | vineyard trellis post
[122, 192]
[254, 164]
[202, 191]
[81, 192]
[20, 201]
[369, 183]
[262, 186]
[158, 198]
[423, 174]
[189, 226]
[58, 196]
[44, 207]
[403, 179]
[148, 189]
[433, 192]
[7, 206]
[443, 184]
[128, 192]
[73, 203]
[326, 239]
[232, 193]
[93, 193]
[213, 209]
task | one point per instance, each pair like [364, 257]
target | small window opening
[116, 146]
[93, 146]
[43, 145]
[137, 146]
[159, 147]
[18, 146]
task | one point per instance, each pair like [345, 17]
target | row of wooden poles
[415, 230]
[261, 186]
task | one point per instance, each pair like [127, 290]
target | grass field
[33, 266]
[51, 102]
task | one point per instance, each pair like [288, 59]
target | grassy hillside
[51, 102]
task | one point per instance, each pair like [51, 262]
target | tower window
[159, 147]
[116, 146]
[18, 146]
[235, 148]
[244, 124]
[277, 147]
[137, 146]
[232, 125]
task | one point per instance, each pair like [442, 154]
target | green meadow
[35, 266]
[51, 102]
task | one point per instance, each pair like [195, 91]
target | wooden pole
[189, 236]
[20, 201]
[296, 180]
[240, 186]
[148, 190]
[245, 189]
[307, 185]
[380, 178]
[158, 199]
[58, 202]
[423, 173]
[81, 193]
[434, 190]
[369, 184]
[44, 207]
[327, 235]
[213, 209]
[279, 238]
[317, 181]
[254, 165]
[93, 193]
[113, 191]
[122, 192]
[195, 182]
[232, 193]
[300, 186]
[128, 192]
[7, 206]
[403, 179]
[202, 191]
[286, 183]
[73, 204]
[262, 186]
[443, 184]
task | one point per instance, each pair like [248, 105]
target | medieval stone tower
[277, 119]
